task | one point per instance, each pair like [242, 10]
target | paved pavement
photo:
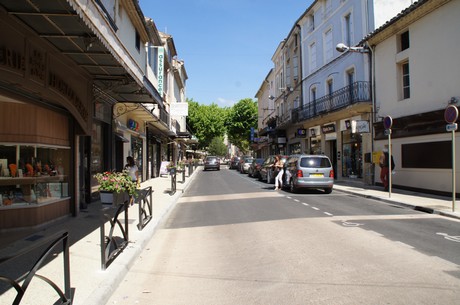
[93, 286]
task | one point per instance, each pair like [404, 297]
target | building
[80, 90]
[416, 77]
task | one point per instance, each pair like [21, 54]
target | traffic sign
[387, 122]
[451, 127]
[451, 114]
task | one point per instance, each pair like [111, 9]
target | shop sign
[360, 126]
[282, 140]
[160, 70]
[133, 125]
[301, 133]
[328, 128]
[312, 132]
[347, 124]
[178, 109]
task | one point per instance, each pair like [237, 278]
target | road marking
[305, 204]
[315, 208]
[288, 197]
[296, 200]
[328, 214]
[451, 238]
[351, 224]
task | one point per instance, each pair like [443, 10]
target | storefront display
[33, 174]
[352, 164]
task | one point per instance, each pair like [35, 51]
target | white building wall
[434, 79]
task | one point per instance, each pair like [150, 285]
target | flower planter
[113, 198]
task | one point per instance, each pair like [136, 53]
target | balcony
[358, 92]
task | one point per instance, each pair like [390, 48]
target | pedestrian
[384, 168]
[133, 172]
[278, 165]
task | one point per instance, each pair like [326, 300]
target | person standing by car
[278, 165]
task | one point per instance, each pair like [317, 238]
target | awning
[74, 35]
[120, 137]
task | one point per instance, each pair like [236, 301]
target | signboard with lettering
[160, 70]
[178, 109]
[328, 128]
[301, 133]
[360, 126]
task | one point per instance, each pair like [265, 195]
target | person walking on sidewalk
[133, 172]
[278, 165]
[384, 168]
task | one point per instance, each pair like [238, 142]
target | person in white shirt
[132, 168]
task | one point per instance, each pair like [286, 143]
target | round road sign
[387, 122]
[451, 114]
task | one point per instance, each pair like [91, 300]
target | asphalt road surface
[234, 240]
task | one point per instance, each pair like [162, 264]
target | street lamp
[341, 47]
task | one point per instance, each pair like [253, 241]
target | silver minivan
[309, 171]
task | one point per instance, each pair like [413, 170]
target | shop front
[45, 107]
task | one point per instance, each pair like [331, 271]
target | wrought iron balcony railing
[358, 92]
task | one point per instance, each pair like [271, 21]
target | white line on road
[315, 208]
[329, 214]
[305, 204]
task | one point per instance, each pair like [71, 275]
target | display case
[33, 174]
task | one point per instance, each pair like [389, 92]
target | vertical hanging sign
[160, 70]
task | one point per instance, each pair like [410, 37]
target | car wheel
[328, 190]
[292, 187]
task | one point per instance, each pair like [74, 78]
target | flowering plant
[116, 182]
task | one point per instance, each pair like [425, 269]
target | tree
[217, 147]
[206, 122]
[242, 116]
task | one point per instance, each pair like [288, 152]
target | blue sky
[227, 45]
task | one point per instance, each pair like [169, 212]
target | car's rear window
[315, 162]
[211, 158]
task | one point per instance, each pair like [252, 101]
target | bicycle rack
[144, 199]
[64, 297]
[111, 246]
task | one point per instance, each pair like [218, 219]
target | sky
[227, 45]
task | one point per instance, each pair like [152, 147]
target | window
[404, 41]
[313, 94]
[412, 158]
[330, 87]
[311, 23]
[138, 41]
[347, 30]
[405, 80]
[295, 63]
[350, 77]
[312, 57]
[288, 76]
[328, 48]
[327, 8]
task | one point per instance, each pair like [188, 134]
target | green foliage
[217, 147]
[243, 116]
[206, 122]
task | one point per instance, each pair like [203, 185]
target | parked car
[245, 164]
[254, 168]
[211, 162]
[234, 162]
[309, 172]
[268, 172]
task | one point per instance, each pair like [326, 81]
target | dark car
[268, 172]
[234, 162]
[254, 168]
[211, 162]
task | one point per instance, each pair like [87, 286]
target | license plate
[316, 175]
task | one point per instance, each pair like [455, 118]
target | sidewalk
[418, 201]
[93, 286]
[90, 284]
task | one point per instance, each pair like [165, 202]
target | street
[234, 240]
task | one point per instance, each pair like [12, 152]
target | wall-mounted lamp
[454, 100]
[271, 97]
[341, 47]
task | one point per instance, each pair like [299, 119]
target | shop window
[33, 174]
[435, 155]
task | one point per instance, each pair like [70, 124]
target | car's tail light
[299, 173]
[331, 174]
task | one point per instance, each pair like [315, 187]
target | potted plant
[115, 187]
